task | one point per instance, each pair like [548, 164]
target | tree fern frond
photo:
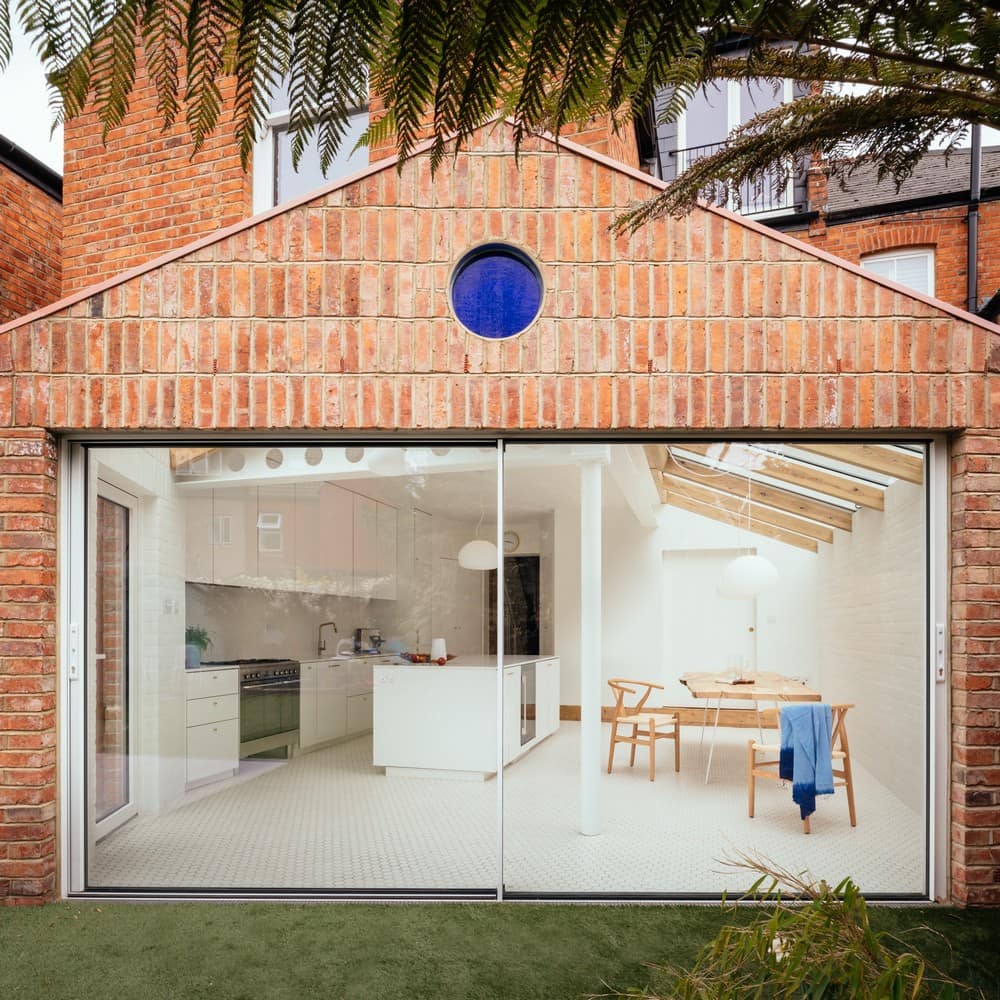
[208, 26]
[6, 36]
[162, 33]
[547, 52]
[114, 66]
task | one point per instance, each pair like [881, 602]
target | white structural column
[592, 461]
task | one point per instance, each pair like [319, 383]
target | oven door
[269, 709]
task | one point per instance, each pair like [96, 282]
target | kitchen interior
[312, 693]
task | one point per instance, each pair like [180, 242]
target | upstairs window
[912, 268]
[275, 180]
[711, 115]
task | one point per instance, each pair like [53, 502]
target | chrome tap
[321, 645]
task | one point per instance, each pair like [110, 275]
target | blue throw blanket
[805, 753]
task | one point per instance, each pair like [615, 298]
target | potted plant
[196, 641]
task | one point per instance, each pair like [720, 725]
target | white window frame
[733, 121]
[903, 253]
[263, 170]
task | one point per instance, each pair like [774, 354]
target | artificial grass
[258, 951]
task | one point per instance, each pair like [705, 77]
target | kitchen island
[441, 721]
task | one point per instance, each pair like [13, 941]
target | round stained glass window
[496, 291]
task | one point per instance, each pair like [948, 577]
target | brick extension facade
[30, 229]
[331, 314]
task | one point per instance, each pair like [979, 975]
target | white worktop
[470, 661]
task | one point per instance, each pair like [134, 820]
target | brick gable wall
[333, 315]
[30, 233]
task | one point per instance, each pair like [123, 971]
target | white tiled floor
[330, 820]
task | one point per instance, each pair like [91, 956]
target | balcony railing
[770, 191]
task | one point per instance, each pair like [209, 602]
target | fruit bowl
[421, 657]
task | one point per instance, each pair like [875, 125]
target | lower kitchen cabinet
[322, 702]
[213, 725]
[359, 714]
[335, 700]
[511, 713]
[546, 698]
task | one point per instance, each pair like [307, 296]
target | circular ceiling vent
[496, 291]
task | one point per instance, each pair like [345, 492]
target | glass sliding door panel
[111, 667]
[290, 730]
[797, 572]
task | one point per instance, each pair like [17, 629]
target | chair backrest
[838, 725]
[621, 686]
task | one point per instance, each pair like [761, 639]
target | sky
[25, 115]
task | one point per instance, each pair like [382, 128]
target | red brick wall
[944, 229]
[975, 665]
[30, 233]
[334, 315]
[143, 193]
[27, 667]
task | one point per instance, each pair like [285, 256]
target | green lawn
[262, 951]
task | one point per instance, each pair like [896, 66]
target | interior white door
[702, 629]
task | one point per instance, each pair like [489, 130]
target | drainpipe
[975, 190]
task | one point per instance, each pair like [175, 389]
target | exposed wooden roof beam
[181, 456]
[907, 466]
[763, 493]
[797, 473]
[735, 505]
[757, 527]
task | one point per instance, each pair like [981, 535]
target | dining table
[751, 686]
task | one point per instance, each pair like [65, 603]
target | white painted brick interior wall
[872, 637]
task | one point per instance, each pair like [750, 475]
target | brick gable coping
[557, 144]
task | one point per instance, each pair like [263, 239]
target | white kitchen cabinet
[322, 702]
[336, 539]
[331, 701]
[365, 545]
[308, 687]
[359, 714]
[234, 511]
[386, 532]
[275, 533]
[546, 698]
[310, 567]
[213, 725]
[511, 713]
[198, 544]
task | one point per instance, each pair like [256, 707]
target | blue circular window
[496, 291]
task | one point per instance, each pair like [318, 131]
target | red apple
[441, 661]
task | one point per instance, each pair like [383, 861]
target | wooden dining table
[765, 686]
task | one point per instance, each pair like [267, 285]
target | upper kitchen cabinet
[324, 532]
[386, 552]
[276, 543]
[375, 548]
[198, 539]
[234, 511]
[365, 545]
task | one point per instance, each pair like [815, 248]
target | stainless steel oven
[269, 706]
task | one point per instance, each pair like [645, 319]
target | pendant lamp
[749, 574]
[479, 553]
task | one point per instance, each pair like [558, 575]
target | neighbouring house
[30, 231]
[261, 476]
[917, 235]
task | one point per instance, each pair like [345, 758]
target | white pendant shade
[747, 576]
[478, 554]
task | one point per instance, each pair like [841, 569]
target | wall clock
[511, 540]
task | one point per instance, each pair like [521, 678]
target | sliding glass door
[354, 669]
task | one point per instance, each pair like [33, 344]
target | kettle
[345, 647]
